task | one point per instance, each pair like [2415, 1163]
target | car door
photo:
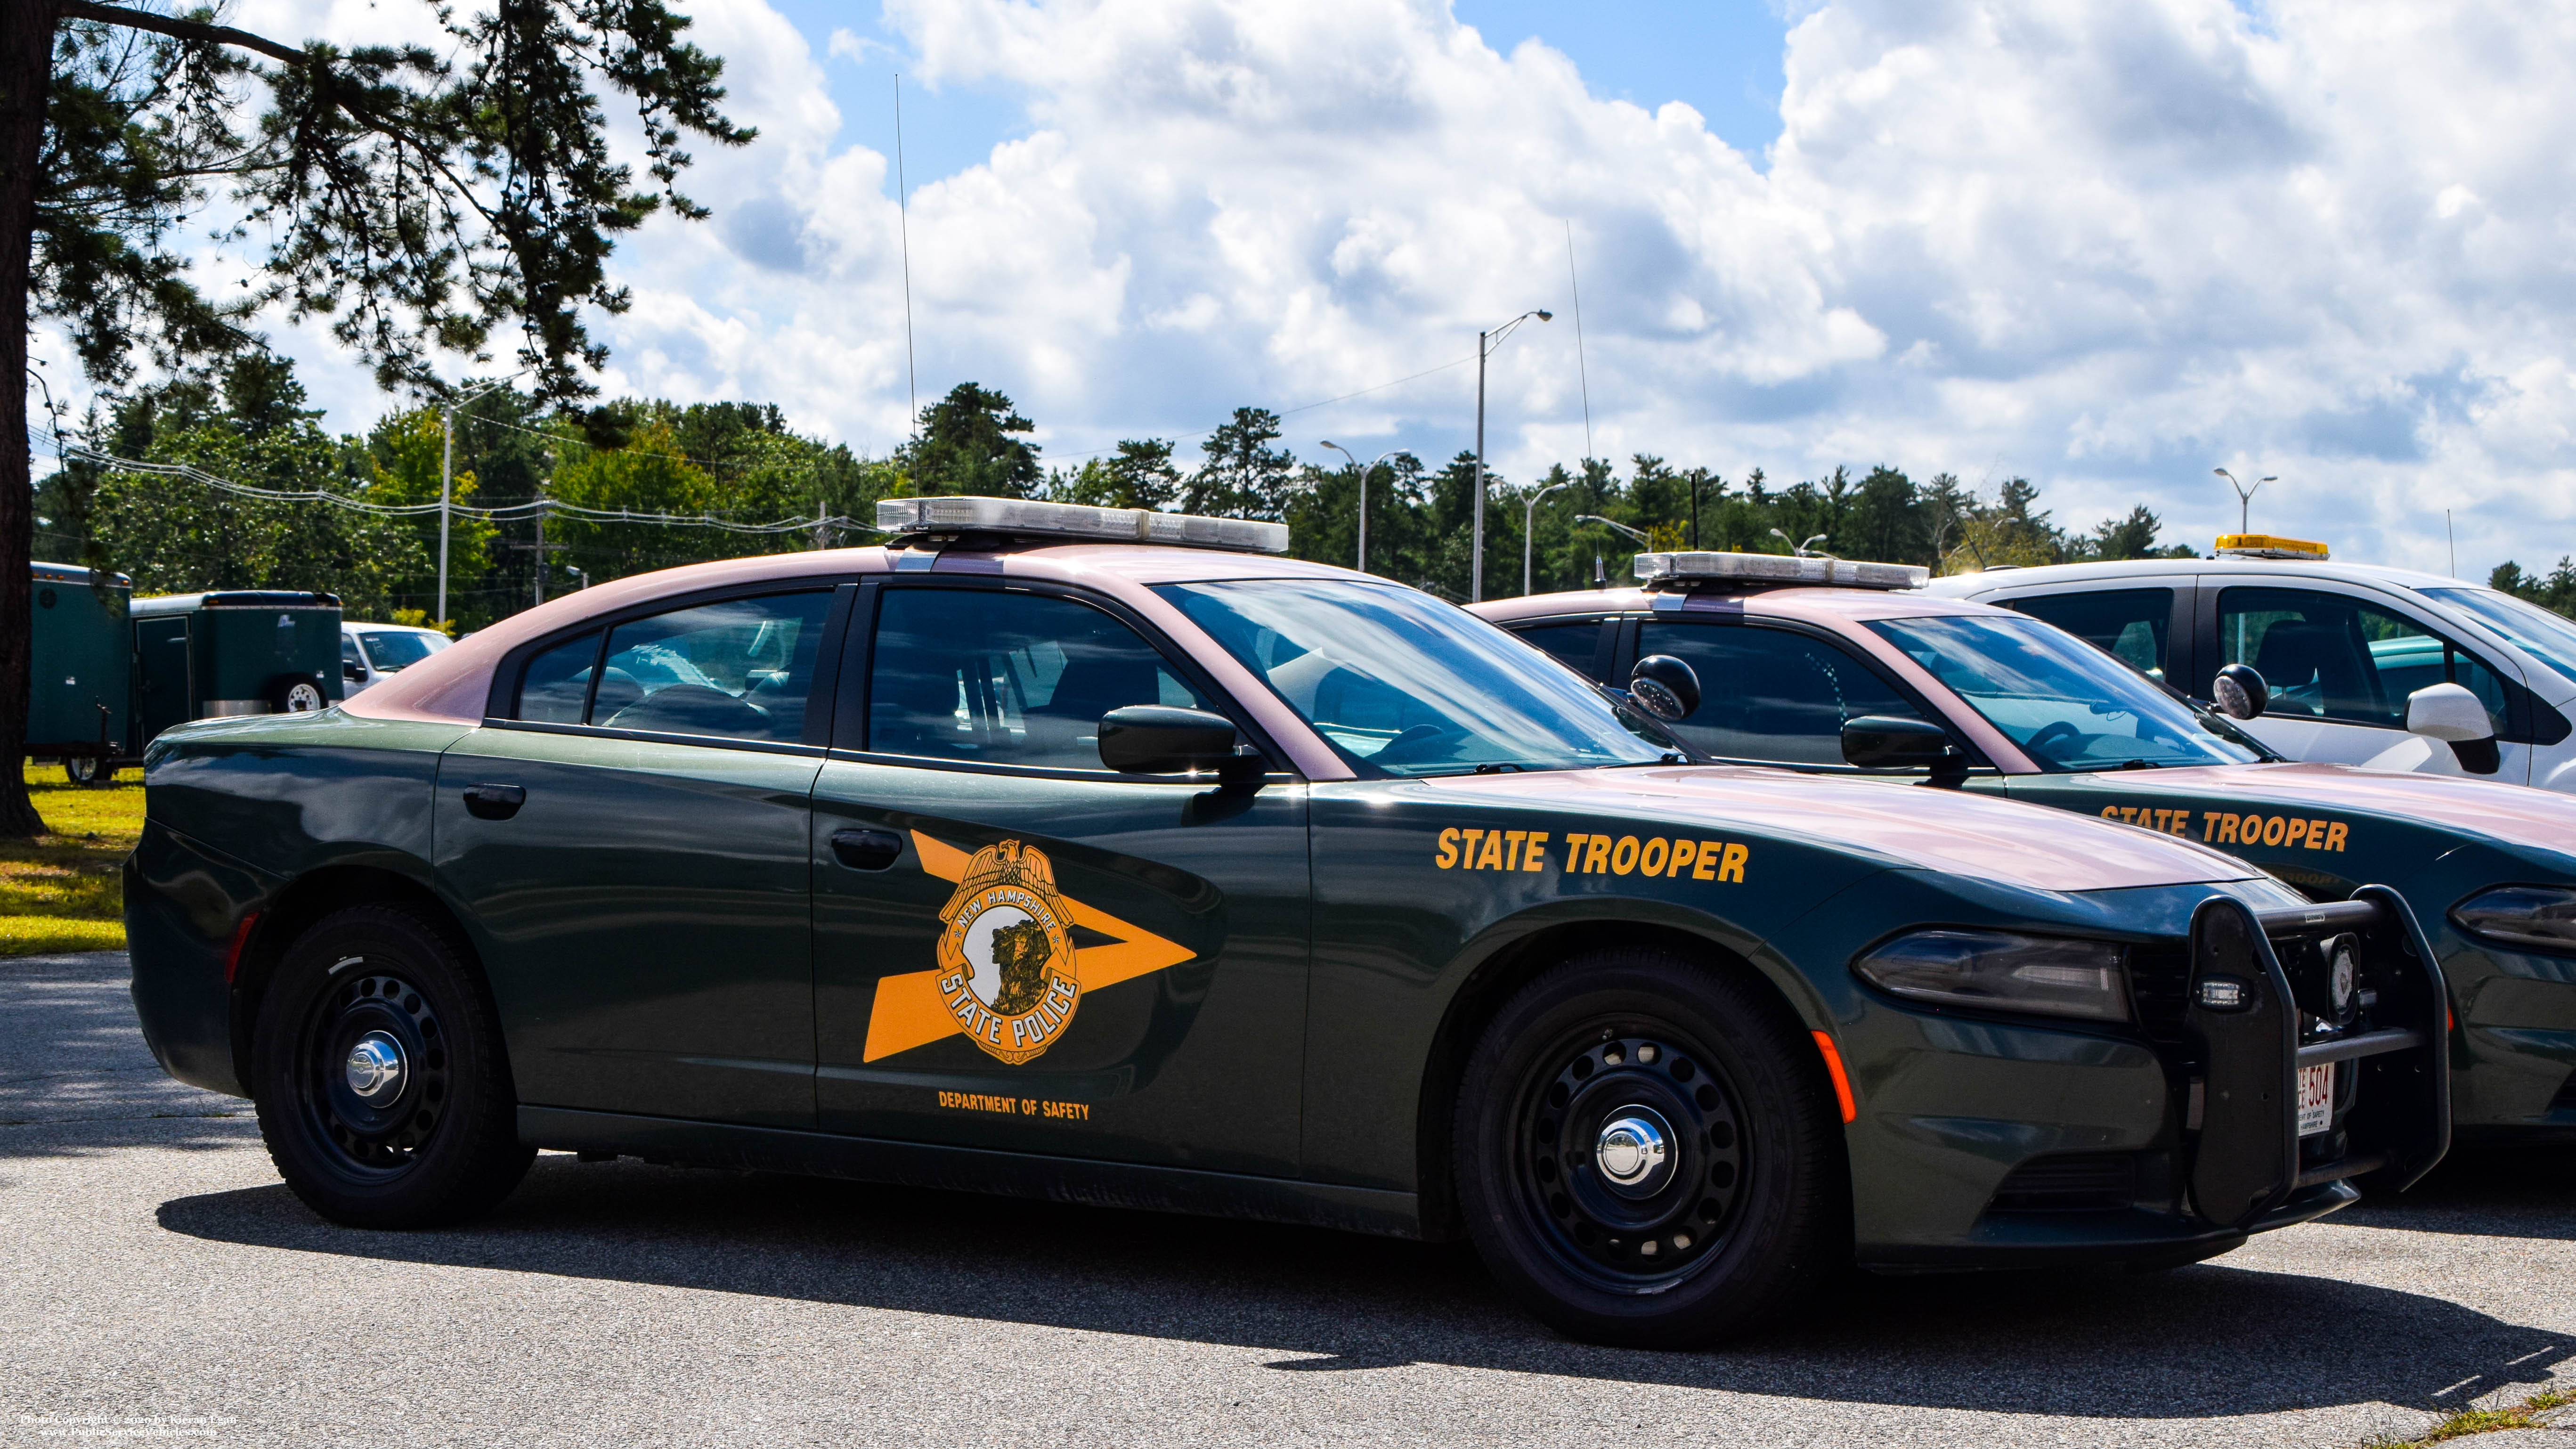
[2340, 664]
[1016, 948]
[628, 836]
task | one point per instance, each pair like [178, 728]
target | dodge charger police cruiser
[1098, 855]
[1822, 665]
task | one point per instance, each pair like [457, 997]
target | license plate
[2316, 1099]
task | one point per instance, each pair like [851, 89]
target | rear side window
[2131, 625]
[556, 684]
[736, 669]
[1573, 645]
[1006, 678]
[1770, 694]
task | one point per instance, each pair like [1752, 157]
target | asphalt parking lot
[161, 1286]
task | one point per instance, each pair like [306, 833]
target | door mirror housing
[1664, 687]
[2240, 692]
[2458, 718]
[353, 673]
[1890, 742]
[1162, 739]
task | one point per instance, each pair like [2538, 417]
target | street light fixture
[2245, 495]
[1529, 525]
[1486, 342]
[1364, 472]
[446, 478]
[1642, 540]
[1797, 549]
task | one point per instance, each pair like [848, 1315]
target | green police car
[1096, 855]
[1807, 662]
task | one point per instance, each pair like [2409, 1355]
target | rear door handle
[867, 849]
[494, 802]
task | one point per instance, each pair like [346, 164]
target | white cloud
[2108, 247]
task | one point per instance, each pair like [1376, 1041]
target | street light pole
[446, 480]
[2245, 496]
[1529, 526]
[1364, 475]
[1486, 342]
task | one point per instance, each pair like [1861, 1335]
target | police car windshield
[2068, 705]
[1403, 684]
[2545, 636]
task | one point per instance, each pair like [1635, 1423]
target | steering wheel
[2049, 733]
[1410, 740]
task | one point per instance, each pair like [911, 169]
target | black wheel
[383, 1092]
[297, 694]
[88, 770]
[1647, 1152]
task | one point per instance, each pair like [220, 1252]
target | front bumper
[1985, 1143]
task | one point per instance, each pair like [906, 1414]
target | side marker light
[241, 938]
[1834, 1069]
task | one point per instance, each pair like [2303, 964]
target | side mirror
[1889, 742]
[353, 673]
[1664, 687]
[2458, 718]
[1160, 739]
[2240, 692]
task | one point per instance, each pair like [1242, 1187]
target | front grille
[2069, 1182]
[2160, 988]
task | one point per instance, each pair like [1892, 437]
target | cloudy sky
[2108, 247]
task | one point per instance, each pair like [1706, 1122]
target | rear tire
[1745, 1210]
[89, 771]
[384, 1095]
[297, 694]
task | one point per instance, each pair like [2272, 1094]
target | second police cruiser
[1832, 666]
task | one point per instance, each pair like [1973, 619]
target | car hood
[2514, 815]
[1903, 824]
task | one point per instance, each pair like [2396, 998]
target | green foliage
[1243, 476]
[1141, 475]
[970, 444]
[2554, 590]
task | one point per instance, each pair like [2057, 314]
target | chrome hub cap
[1633, 1151]
[375, 1066]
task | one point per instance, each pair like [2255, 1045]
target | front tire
[384, 1095]
[1647, 1154]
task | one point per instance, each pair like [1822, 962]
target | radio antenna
[1579, 371]
[903, 222]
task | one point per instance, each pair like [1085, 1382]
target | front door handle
[867, 849]
[494, 802]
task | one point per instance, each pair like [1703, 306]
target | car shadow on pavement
[75, 1074]
[2496, 1190]
[2200, 1341]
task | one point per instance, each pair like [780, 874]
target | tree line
[246, 420]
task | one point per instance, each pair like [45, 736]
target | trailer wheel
[89, 771]
[297, 694]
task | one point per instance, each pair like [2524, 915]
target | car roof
[455, 683]
[1970, 584]
[1819, 605]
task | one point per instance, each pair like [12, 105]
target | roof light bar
[1078, 520]
[1681, 570]
[2264, 545]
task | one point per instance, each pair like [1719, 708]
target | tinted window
[1402, 683]
[1572, 645]
[2331, 656]
[740, 669]
[349, 652]
[1013, 679]
[2550, 638]
[1769, 694]
[557, 682]
[2128, 624]
[391, 649]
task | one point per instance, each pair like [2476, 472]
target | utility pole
[822, 528]
[1486, 342]
[1529, 530]
[447, 477]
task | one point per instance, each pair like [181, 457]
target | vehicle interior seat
[2321, 660]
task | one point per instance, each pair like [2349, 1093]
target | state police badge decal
[1006, 957]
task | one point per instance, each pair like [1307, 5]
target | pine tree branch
[181, 29]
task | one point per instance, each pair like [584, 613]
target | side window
[2128, 624]
[557, 683]
[349, 652]
[1006, 678]
[2331, 656]
[1573, 645]
[1770, 694]
[740, 669]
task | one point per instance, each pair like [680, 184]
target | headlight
[1995, 971]
[2542, 916]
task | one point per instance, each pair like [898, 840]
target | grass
[2484, 1421]
[61, 891]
